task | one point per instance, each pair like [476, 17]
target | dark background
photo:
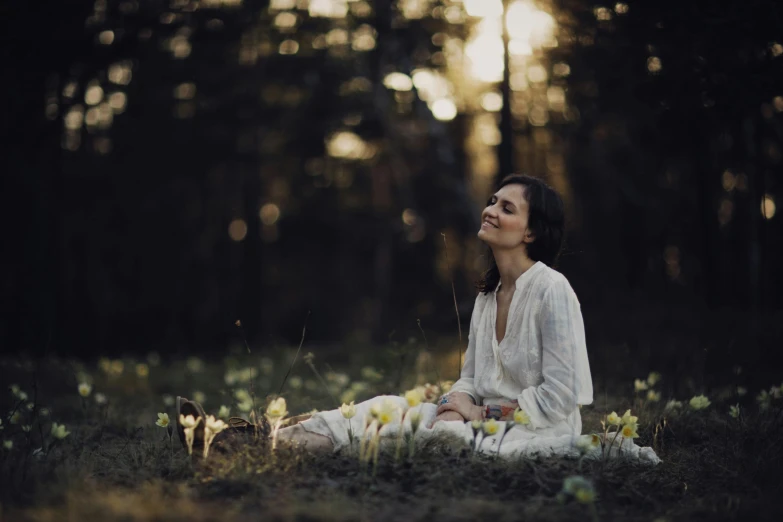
[116, 231]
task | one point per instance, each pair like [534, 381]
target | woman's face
[504, 220]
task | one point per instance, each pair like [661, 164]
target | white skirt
[519, 441]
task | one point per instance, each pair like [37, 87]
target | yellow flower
[85, 389]
[639, 385]
[699, 402]
[59, 431]
[653, 378]
[387, 412]
[163, 420]
[628, 418]
[224, 411]
[653, 396]
[212, 427]
[348, 410]
[142, 370]
[413, 397]
[734, 411]
[490, 427]
[277, 409]
[629, 431]
[520, 417]
[476, 425]
[584, 495]
[587, 442]
[614, 419]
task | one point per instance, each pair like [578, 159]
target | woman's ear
[529, 236]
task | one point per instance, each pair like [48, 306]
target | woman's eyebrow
[507, 201]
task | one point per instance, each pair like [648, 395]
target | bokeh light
[768, 206]
[237, 230]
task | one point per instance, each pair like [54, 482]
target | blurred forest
[170, 167]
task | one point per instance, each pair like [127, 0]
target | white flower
[734, 411]
[348, 410]
[587, 442]
[85, 389]
[672, 404]
[8, 444]
[741, 390]
[59, 431]
[276, 409]
[414, 397]
[100, 398]
[699, 402]
[653, 378]
[224, 411]
[163, 420]
[211, 428]
[640, 385]
[189, 424]
[653, 396]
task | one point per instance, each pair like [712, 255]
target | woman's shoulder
[551, 283]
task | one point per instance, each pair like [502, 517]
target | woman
[526, 346]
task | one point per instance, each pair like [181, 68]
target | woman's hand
[447, 416]
[462, 404]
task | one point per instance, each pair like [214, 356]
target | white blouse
[542, 360]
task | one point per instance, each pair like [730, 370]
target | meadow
[81, 440]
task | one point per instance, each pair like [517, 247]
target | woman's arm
[564, 363]
[465, 382]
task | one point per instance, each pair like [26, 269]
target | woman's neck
[511, 265]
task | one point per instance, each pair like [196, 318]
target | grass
[116, 464]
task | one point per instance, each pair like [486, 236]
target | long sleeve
[467, 375]
[564, 365]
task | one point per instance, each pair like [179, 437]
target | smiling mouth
[489, 224]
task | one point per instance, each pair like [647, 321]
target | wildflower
[212, 427]
[163, 420]
[231, 377]
[734, 411]
[653, 396]
[116, 367]
[415, 418]
[587, 442]
[85, 389]
[142, 370]
[26, 428]
[8, 444]
[639, 385]
[224, 411]
[43, 412]
[100, 398]
[629, 431]
[348, 410]
[189, 424]
[476, 425]
[741, 391]
[520, 417]
[308, 358]
[168, 400]
[59, 431]
[199, 396]
[775, 392]
[15, 418]
[673, 404]
[490, 427]
[580, 488]
[30, 406]
[413, 397]
[386, 413]
[699, 402]
[22, 396]
[614, 419]
[276, 409]
[194, 364]
[431, 392]
[371, 374]
[763, 399]
[14, 389]
[295, 382]
[628, 418]
[104, 364]
[1, 423]
[653, 378]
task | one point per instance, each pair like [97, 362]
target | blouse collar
[525, 276]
